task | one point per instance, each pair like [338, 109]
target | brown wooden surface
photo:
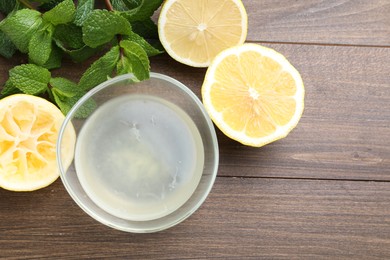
[321, 193]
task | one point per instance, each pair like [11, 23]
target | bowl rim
[211, 130]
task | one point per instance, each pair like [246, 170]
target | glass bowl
[145, 156]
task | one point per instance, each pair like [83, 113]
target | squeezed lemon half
[29, 129]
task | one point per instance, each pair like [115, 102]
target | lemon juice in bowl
[146, 154]
[144, 161]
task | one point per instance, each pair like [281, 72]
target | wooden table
[321, 193]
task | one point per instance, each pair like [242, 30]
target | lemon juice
[139, 157]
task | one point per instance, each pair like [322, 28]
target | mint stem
[50, 94]
[119, 37]
[27, 4]
[109, 5]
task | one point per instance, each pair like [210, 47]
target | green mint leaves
[7, 48]
[141, 9]
[39, 47]
[62, 13]
[21, 26]
[146, 46]
[120, 39]
[66, 94]
[135, 60]
[84, 8]
[100, 70]
[7, 6]
[29, 78]
[101, 26]
[63, 87]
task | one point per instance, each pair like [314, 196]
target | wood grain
[242, 219]
[350, 22]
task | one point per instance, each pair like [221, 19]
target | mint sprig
[47, 31]
[21, 26]
[84, 8]
[101, 26]
[7, 48]
[7, 6]
[100, 70]
[40, 46]
[30, 79]
[62, 13]
[135, 59]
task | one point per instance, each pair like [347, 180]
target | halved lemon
[253, 94]
[29, 128]
[193, 32]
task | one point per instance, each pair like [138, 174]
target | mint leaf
[123, 66]
[69, 36]
[21, 26]
[39, 48]
[7, 6]
[9, 89]
[131, 4]
[138, 59]
[86, 109]
[149, 49]
[101, 26]
[62, 13]
[84, 8]
[41, 1]
[54, 61]
[63, 87]
[119, 5]
[7, 48]
[30, 78]
[78, 54]
[66, 103]
[47, 5]
[145, 9]
[100, 70]
[146, 28]
[81, 54]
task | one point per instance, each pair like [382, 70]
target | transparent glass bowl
[162, 87]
